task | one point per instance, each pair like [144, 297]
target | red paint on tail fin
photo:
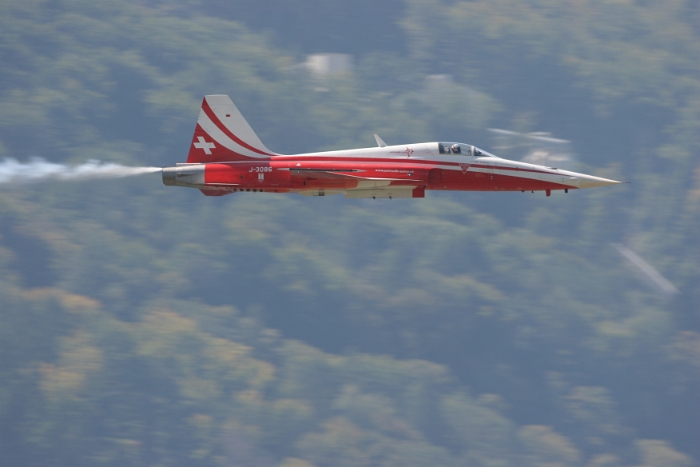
[221, 126]
[204, 148]
[223, 135]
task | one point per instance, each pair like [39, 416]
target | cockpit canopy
[462, 149]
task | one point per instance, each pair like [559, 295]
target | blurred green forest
[146, 325]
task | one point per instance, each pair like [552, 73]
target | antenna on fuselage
[380, 142]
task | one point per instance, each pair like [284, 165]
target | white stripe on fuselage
[406, 152]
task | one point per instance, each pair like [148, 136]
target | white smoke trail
[39, 169]
[647, 269]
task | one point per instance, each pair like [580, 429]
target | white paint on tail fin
[223, 134]
[228, 114]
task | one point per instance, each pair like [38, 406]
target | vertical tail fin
[222, 134]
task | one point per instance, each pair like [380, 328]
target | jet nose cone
[589, 181]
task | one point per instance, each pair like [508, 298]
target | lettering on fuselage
[395, 171]
[260, 170]
[408, 152]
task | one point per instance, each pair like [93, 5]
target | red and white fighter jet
[226, 156]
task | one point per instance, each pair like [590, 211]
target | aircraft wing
[401, 191]
[344, 174]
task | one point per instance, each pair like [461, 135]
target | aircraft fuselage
[226, 156]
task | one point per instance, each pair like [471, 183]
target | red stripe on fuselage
[338, 162]
[244, 175]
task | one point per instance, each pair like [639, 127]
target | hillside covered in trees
[150, 326]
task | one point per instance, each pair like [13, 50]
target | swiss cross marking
[204, 145]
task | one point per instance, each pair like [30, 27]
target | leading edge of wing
[341, 174]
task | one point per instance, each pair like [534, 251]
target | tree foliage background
[142, 325]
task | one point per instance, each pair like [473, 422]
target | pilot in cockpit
[456, 149]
